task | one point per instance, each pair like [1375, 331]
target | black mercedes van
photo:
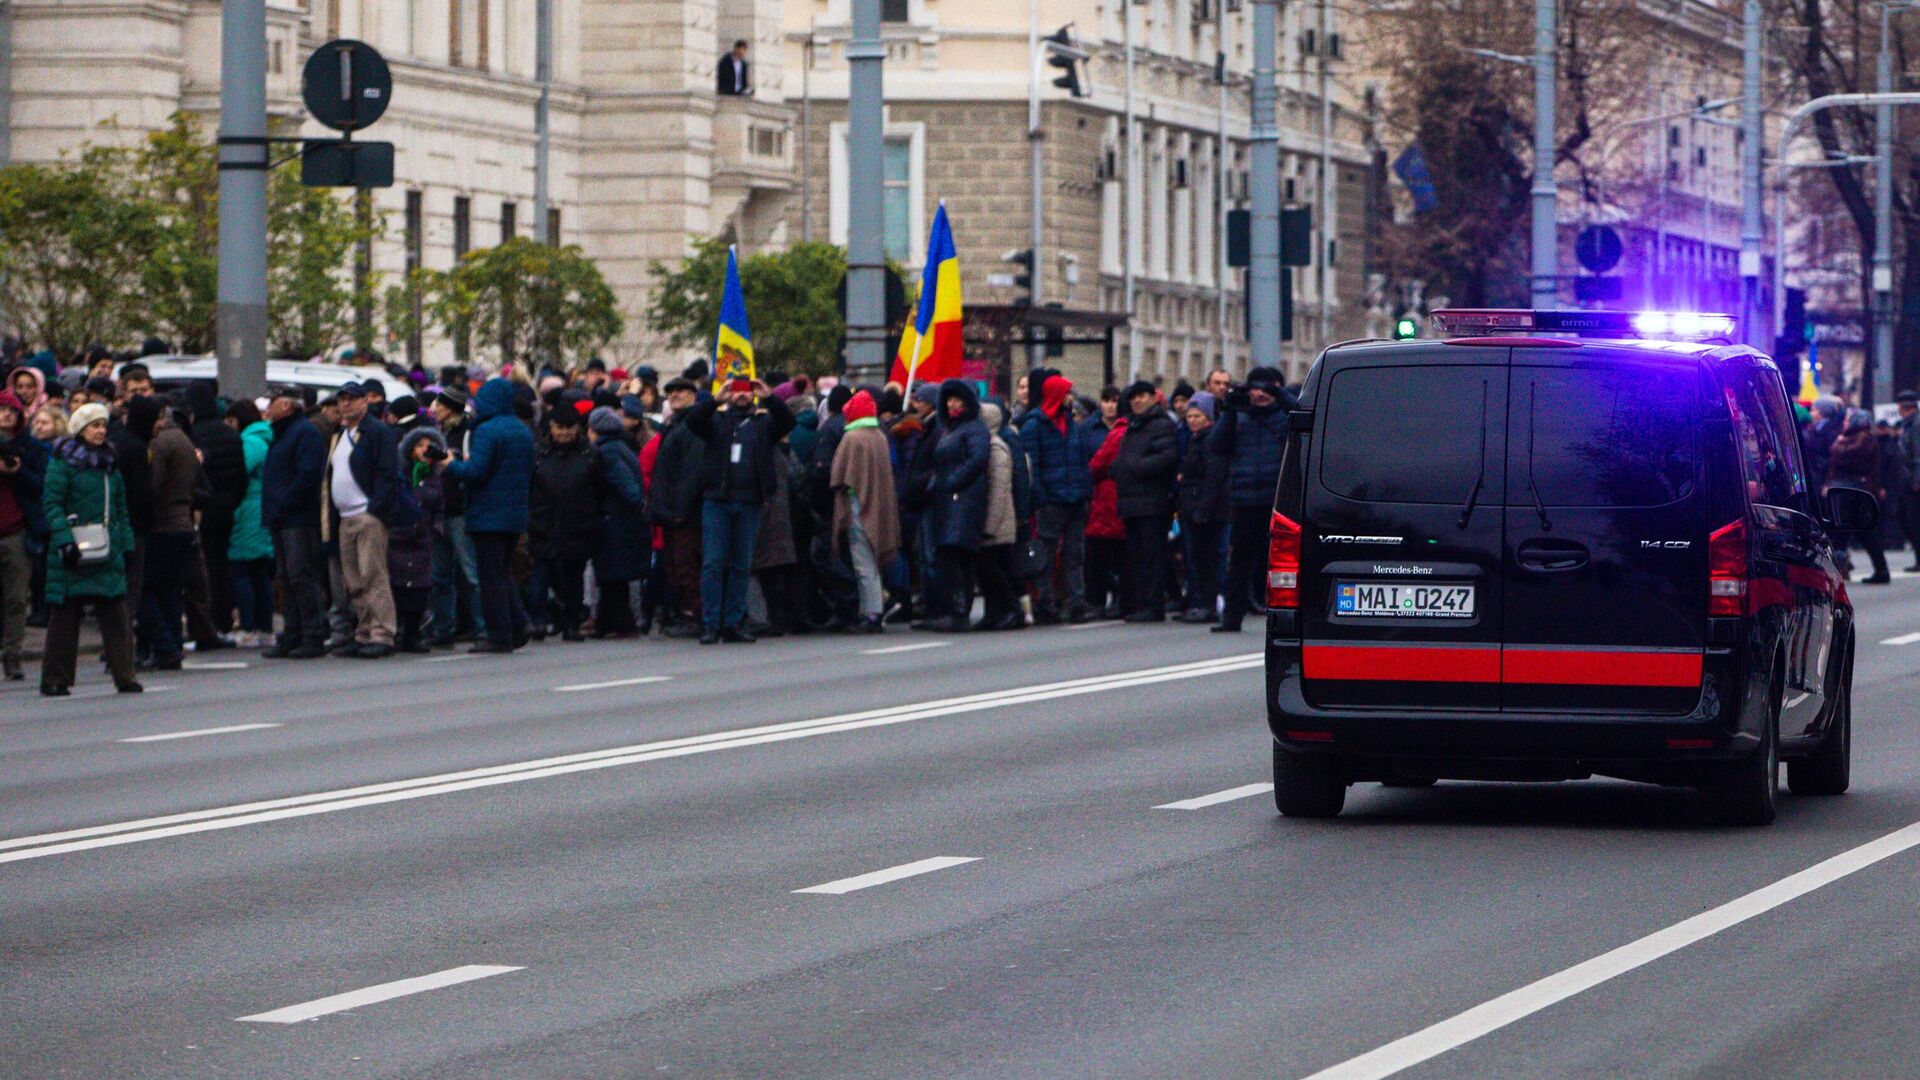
[1551, 546]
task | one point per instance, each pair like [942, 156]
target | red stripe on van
[1575, 667]
[1401, 664]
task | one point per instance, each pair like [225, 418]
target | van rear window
[1408, 434]
[1603, 436]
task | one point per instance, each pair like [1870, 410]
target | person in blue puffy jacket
[497, 474]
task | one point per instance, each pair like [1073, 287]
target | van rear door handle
[1548, 556]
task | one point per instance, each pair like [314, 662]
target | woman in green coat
[250, 554]
[81, 489]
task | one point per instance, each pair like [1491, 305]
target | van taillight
[1283, 563]
[1727, 570]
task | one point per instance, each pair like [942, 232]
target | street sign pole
[866, 254]
[1545, 193]
[240, 313]
[1263, 150]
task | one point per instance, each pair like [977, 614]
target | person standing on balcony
[733, 75]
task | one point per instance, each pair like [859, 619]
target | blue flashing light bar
[1668, 325]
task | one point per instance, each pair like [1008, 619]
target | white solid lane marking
[915, 647]
[1093, 625]
[1242, 792]
[223, 665]
[1516, 1005]
[326, 802]
[454, 657]
[1903, 639]
[891, 873]
[196, 734]
[373, 995]
[611, 683]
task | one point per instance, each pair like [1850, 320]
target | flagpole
[912, 369]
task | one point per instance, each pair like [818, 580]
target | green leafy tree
[312, 294]
[792, 303]
[529, 302]
[76, 241]
[176, 170]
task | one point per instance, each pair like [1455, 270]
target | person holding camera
[737, 474]
[89, 537]
[1248, 441]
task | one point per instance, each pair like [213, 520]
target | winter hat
[11, 400]
[631, 406]
[696, 372]
[569, 417]
[1183, 388]
[455, 398]
[927, 394]
[406, 406]
[1266, 378]
[101, 387]
[859, 407]
[1202, 401]
[838, 397]
[891, 402]
[551, 383]
[618, 374]
[677, 385]
[646, 374]
[87, 414]
[605, 421]
[786, 391]
[1138, 388]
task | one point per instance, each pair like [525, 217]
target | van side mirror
[1301, 421]
[1852, 510]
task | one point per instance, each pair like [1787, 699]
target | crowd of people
[498, 510]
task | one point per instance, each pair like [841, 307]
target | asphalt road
[952, 858]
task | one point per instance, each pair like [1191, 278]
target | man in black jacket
[361, 499]
[673, 503]
[224, 459]
[1143, 483]
[736, 477]
[733, 76]
[290, 509]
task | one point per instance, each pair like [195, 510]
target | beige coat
[1003, 527]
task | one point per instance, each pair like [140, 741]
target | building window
[480, 41]
[509, 220]
[553, 226]
[333, 19]
[462, 227]
[903, 197]
[893, 11]
[897, 200]
[414, 244]
[454, 53]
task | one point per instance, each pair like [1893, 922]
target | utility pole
[1131, 204]
[240, 312]
[1323, 270]
[866, 255]
[542, 121]
[1880, 384]
[6, 83]
[1546, 236]
[1263, 147]
[1221, 159]
[1036, 164]
[1754, 315]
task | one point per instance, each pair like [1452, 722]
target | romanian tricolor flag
[930, 348]
[733, 342]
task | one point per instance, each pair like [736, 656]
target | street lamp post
[866, 254]
[1263, 152]
[240, 309]
[1882, 383]
[1753, 229]
[1546, 193]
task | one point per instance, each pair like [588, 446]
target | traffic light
[1406, 327]
[1065, 53]
[1022, 259]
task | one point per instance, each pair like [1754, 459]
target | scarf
[78, 454]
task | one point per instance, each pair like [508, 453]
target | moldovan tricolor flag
[733, 342]
[930, 348]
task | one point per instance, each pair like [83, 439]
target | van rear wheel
[1307, 785]
[1747, 792]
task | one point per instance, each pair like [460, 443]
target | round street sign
[1598, 248]
[346, 85]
